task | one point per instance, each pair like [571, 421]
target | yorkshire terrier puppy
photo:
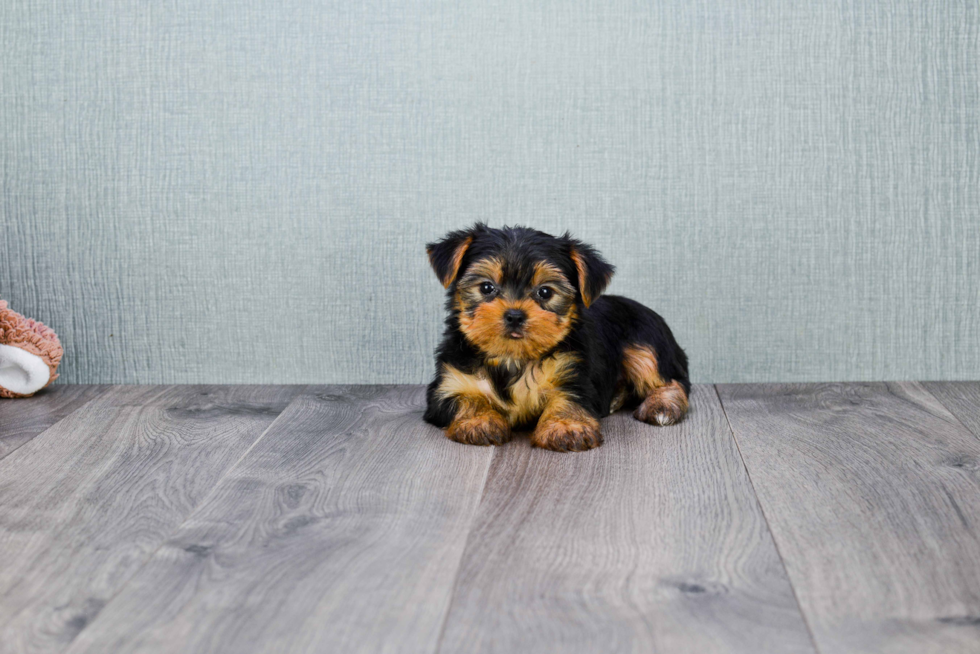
[528, 341]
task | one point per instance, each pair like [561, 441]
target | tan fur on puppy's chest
[530, 392]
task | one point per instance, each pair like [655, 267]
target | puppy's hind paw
[664, 406]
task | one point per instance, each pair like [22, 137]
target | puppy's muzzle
[514, 320]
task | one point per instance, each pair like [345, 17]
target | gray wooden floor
[776, 518]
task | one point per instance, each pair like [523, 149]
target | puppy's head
[517, 292]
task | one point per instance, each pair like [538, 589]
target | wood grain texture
[22, 419]
[962, 399]
[86, 504]
[340, 531]
[873, 498]
[653, 542]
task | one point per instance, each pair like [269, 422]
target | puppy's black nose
[514, 317]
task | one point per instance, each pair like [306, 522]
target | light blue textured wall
[209, 190]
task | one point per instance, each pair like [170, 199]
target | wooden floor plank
[962, 399]
[23, 418]
[652, 543]
[873, 497]
[86, 504]
[340, 531]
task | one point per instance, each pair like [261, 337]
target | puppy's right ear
[446, 255]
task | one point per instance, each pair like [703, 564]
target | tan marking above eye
[547, 273]
[491, 269]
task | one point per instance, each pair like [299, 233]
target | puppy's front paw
[483, 429]
[567, 435]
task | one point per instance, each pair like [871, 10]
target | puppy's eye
[487, 288]
[545, 292]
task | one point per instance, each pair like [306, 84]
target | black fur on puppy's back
[619, 321]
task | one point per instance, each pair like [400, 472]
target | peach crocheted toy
[29, 354]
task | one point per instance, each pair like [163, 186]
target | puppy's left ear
[447, 255]
[594, 272]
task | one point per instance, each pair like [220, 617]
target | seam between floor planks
[160, 610]
[462, 553]
[939, 406]
[565, 558]
[469, 528]
[233, 467]
[765, 516]
[954, 410]
[824, 451]
[204, 499]
[78, 412]
[155, 426]
[87, 393]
